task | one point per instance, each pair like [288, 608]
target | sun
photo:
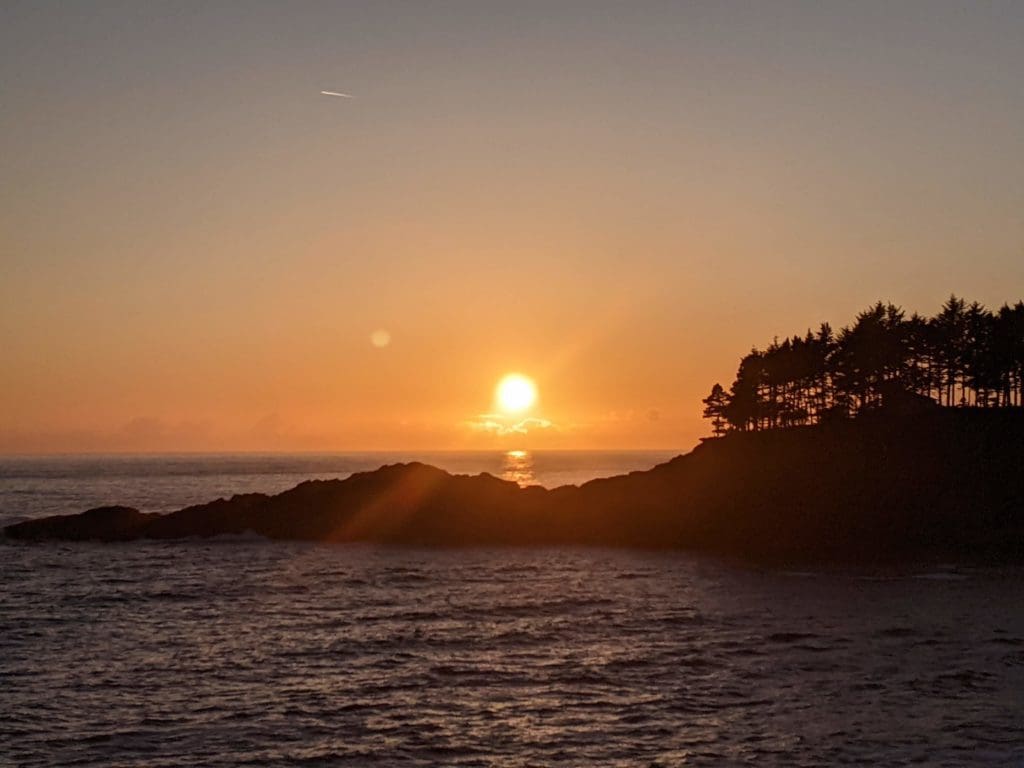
[515, 393]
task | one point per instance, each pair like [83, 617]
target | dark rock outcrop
[932, 484]
[102, 524]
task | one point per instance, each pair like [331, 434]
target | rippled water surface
[253, 653]
[244, 653]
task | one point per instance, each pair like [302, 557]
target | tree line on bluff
[966, 355]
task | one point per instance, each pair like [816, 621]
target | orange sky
[615, 199]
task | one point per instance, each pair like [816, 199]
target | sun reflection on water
[517, 466]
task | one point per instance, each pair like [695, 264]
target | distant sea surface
[242, 652]
[35, 486]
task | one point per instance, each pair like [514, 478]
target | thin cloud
[496, 424]
[526, 425]
[337, 93]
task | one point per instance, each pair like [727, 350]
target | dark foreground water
[253, 653]
[248, 653]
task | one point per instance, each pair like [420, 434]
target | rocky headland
[940, 484]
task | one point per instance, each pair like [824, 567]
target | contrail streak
[335, 93]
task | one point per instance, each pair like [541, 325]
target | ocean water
[227, 653]
[34, 486]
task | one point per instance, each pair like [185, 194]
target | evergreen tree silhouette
[965, 356]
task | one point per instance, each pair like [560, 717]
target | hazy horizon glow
[200, 252]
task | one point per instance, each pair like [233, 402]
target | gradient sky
[617, 199]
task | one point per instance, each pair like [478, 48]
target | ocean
[243, 652]
[35, 486]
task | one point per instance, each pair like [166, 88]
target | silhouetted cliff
[935, 484]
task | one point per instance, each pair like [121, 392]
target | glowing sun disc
[516, 393]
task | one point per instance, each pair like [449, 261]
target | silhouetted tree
[714, 409]
[964, 356]
[951, 340]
